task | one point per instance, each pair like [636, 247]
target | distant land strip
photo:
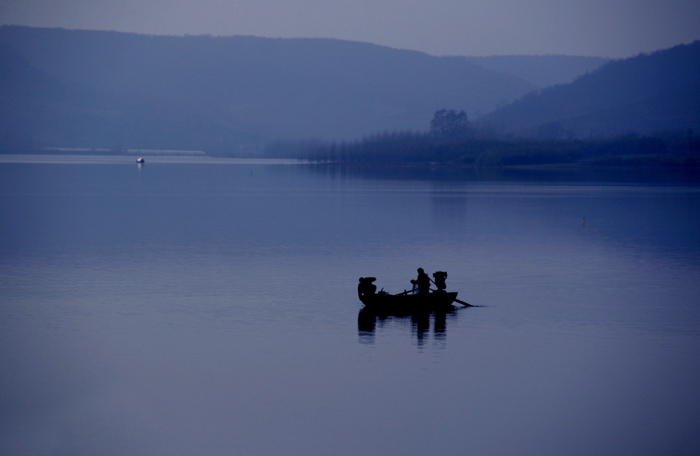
[674, 149]
[88, 150]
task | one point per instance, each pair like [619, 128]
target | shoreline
[86, 159]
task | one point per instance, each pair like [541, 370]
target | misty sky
[608, 28]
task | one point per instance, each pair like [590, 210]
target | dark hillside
[38, 110]
[642, 95]
[34, 104]
[245, 91]
[541, 70]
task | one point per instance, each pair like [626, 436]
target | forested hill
[643, 94]
[541, 70]
[223, 94]
[39, 110]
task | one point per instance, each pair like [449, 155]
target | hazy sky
[609, 28]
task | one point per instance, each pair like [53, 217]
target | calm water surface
[211, 308]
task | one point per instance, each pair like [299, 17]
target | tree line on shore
[452, 140]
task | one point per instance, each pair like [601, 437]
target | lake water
[211, 308]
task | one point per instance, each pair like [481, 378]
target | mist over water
[179, 309]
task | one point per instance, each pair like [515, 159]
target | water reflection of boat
[369, 318]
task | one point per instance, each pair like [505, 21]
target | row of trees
[452, 140]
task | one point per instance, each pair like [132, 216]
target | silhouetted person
[366, 287]
[440, 277]
[422, 282]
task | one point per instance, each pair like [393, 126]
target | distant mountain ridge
[643, 94]
[541, 70]
[232, 95]
[39, 110]
[224, 94]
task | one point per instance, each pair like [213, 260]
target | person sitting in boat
[422, 282]
[366, 287]
[440, 277]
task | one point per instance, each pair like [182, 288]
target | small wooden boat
[420, 299]
[437, 300]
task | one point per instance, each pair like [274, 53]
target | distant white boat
[140, 160]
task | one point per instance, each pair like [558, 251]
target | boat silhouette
[420, 298]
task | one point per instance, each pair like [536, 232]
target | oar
[466, 304]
